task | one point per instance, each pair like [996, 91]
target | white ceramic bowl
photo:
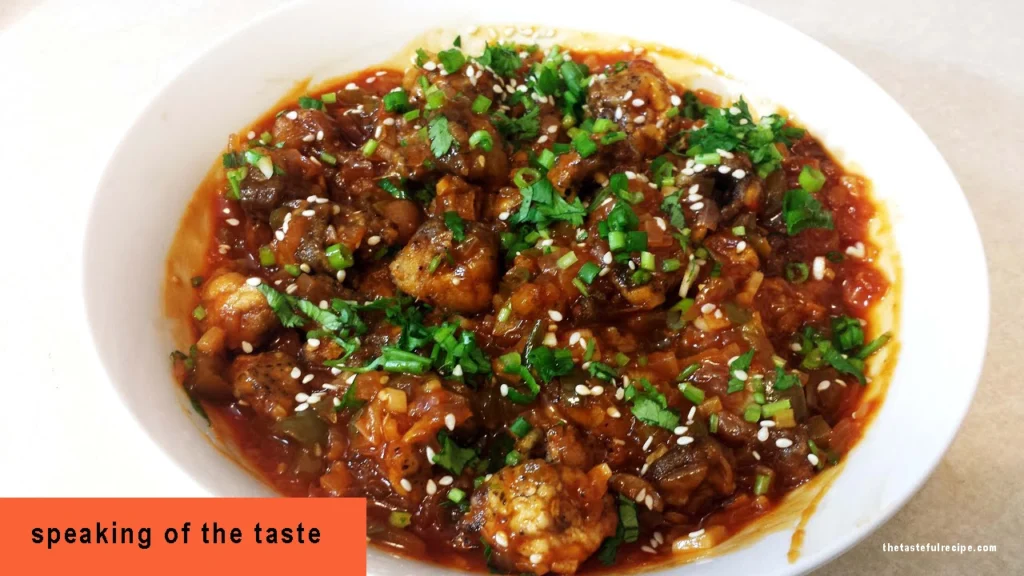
[165, 155]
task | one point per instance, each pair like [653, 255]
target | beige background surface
[955, 66]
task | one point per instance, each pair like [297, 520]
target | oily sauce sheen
[546, 311]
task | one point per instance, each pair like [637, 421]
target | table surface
[74, 74]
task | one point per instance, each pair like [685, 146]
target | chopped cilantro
[502, 59]
[452, 457]
[456, 224]
[550, 363]
[742, 363]
[801, 211]
[452, 60]
[441, 138]
[650, 406]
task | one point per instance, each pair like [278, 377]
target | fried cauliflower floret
[265, 383]
[456, 276]
[539, 517]
[240, 310]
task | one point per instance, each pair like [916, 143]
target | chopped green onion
[761, 484]
[520, 427]
[689, 370]
[329, 98]
[769, 410]
[581, 287]
[292, 269]
[612, 137]
[616, 241]
[692, 393]
[481, 104]
[636, 241]
[434, 263]
[672, 112]
[339, 256]
[752, 413]
[797, 272]
[504, 313]
[647, 261]
[328, 158]
[400, 519]
[435, 100]
[370, 147]
[567, 259]
[588, 272]
[621, 359]
[411, 115]
[513, 458]
[267, 257]
[670, 265]
[199, 313]
[873, 346]
[310, 103]
[583, 144]
[713, 423]
[396, 101]
[266, 138]
[602, 125]
[739, 230]
[519, 178]
[456, 495]
[481, 139]
[708, 159]
[759, 397]
[811, 179]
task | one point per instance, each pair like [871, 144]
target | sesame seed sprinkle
[783, 442]
[246, 347]
[308, 378]
[406, 485]
[813, 459]
[449, 421]
[254, 281]
[431, 488]
[762, 435]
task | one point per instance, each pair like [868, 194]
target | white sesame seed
[351, 86]
[406, 485]
[696, 206]
[856, 251]
[762, 435]
[618, 113]
[431, 487]
[708, 308]
[647, 443]
[783, 442]
[739, 173]
[684, 440]
[301, 397]
[292, 115]
[305, 268]
[812, 459]
[446, 481]
[641, 495]
[796, 347]
[430, 454]
[596, 390]
[246, 347]
[279, 234]
[740, 375]
[543, 138]
[619, 393]
[308, 378]
[767, 423]
[254, 281]
[497, 89]
[680, 430]
[336, 371]
[755, 454]
[555, 315]
[660, 222]
[503, 389]
[648, 549]
[308, 138]
[314, 398]
[373, 240]
[449, 421]
[675, 100]
[734, 110]
[336, 402]
[823, 385]
[613, 412]
[574, 338]
[553, 129]
[429, 66]
[741, 246]
[251, 135]
[550, 340]
[604, 272]
[232, 221]
[607, 258]
[536, 558]
[501, 540]
[301, 407]
[582, 390]
[319, 135]
[308, 213]
[291, 288]
[639, 119]
[699, 167]
[643, 469]
[638, 102]
[723, 169]
[818, 268]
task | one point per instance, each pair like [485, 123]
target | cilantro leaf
[349, 400]
[525, 127]
[441, 139]
[281, 306]
[456, 224]
[452, 60]
[847, 334]
[740, 363]
[650, 406]
[502, 59]
[801, 211]
[452, 457]
[784, 380]
[550, 363]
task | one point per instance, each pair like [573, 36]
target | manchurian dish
[548, 311]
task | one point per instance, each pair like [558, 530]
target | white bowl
[165, 155]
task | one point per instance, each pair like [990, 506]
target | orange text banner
[157, 536]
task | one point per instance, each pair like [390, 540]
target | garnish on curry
[546, 310]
